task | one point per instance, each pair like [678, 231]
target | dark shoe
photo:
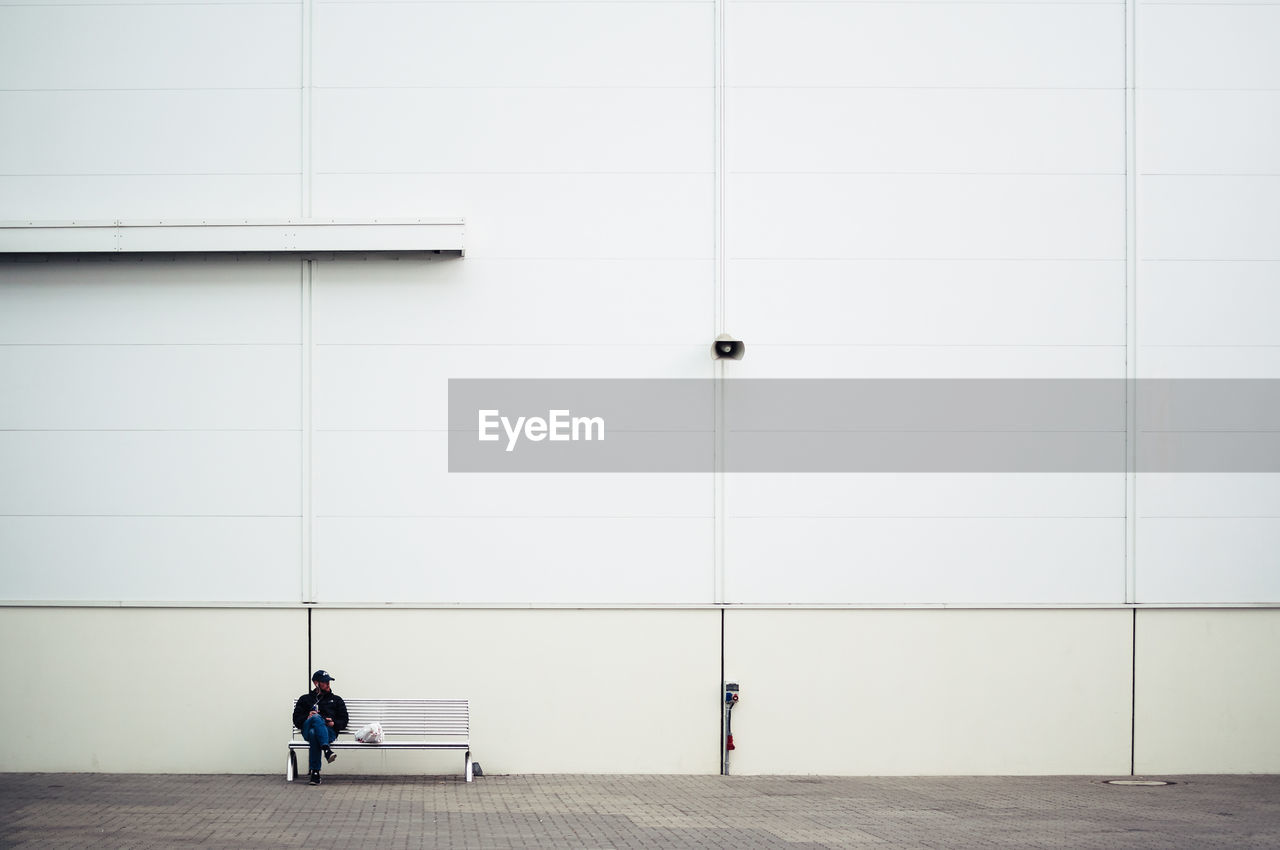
[330, 756]
[315, 777]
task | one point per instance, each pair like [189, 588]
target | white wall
[905, 190]
[1208, 147]
[551, 691]
[930, 692]
[925, 190]
[150, 436]
[581, 159]
[388, 336]
[1206, 693]
[150, 690]
[150, 110]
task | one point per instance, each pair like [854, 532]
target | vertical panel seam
[1133, 697]
[1131, 305]
[307, 509]
[308, 590]
[724, 731]
[718, 477]
[719, 119]
[305, 109]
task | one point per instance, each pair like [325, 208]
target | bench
[408, 724]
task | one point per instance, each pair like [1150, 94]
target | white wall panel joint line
[1131, 302]
[305, 106]
[719, 309]
[720, 173]
[720, 523]
[306, 574]
[629, 606]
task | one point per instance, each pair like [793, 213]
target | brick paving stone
[743, 813]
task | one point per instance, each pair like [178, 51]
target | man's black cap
[321, 676]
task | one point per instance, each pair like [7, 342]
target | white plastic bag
[370, 734]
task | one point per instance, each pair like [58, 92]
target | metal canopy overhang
[397, 236]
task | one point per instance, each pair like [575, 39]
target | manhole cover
[1143, 782]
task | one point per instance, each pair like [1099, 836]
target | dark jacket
[331, 708]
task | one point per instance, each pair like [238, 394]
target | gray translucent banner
[863, 425]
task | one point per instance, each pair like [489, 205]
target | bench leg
[291, 766]
[468, 765]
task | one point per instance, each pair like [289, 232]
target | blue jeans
[320, 736]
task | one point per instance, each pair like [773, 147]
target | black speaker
[727, 348]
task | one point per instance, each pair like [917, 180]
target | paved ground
[105, 811]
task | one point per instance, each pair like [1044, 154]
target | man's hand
[328, 721]
[313, 713]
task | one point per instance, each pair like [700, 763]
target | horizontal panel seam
[646, 173]
[151, 174]
[150, 516]
[291, 90]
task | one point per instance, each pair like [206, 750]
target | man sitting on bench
[321, 715]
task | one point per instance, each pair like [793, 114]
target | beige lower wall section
[880, 692]
[148, 690]
[552, 691]
[910, 692]
[1208, 691]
